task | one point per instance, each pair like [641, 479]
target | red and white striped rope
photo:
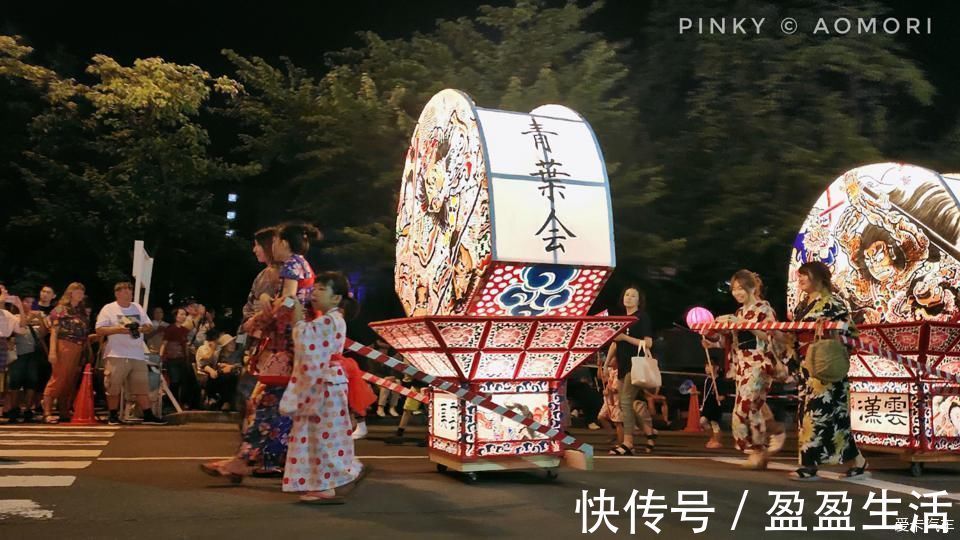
[478, 399]
[915, 365]
[396, 387]
[768, 326]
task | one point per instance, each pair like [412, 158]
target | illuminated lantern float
[890, 233]
[504, 240]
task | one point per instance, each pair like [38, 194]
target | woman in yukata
[825, 436]
[755, 366]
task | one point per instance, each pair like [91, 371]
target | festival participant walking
[825, 436]
[264, 442]
[263, 291]
[622, 351]
[754, 365]
[321, 456]
[68, 338]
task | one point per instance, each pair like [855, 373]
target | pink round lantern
[698, 315]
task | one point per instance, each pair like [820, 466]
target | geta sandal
[804, 474]
[621, 450]
[858, 472]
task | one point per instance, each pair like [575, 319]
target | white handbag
[644, 371]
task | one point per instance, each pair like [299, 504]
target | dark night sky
[195, 32]
[67, 34]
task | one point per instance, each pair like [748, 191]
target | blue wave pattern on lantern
[543, 288]
[827, 257]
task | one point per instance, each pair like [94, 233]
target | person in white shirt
[123, 323]
[9, 325]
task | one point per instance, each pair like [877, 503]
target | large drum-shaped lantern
[890, 233]
[502, 213]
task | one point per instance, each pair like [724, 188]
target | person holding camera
[123, 323]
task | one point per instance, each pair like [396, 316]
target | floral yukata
[755, 370]
[266, 431]
[824, 412]
[297, 268]
[321, 454]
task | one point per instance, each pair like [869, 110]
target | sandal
[621, 450]
[215, 469]
[805, 474]
[650, 446]
[858, 472]
[362, 474]
[321, 499]
[50, 420]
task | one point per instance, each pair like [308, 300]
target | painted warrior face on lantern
[879, 262]
[890, 233]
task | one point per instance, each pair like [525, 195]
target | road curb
[202, 417]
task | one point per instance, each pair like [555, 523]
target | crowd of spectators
[46, 340]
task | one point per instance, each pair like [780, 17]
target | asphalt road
[142, 482]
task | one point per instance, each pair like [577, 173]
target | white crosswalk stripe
[47, 456]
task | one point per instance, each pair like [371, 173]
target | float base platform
[470, 469]
[916, 459]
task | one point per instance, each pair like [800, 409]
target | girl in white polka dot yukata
[320, 456]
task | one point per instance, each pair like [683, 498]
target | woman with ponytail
[321, 453]
[290, 245]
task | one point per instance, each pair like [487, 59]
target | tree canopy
[716, 146]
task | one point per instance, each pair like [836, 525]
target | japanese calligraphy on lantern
[445, 416]
[549, 190]
[880, 413]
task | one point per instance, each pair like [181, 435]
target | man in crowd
[45, 303]
[155, 336]
[198, 322]
[217, 361]
[122, 323]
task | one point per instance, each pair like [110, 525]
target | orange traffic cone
[83, 405]
[693, 413]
